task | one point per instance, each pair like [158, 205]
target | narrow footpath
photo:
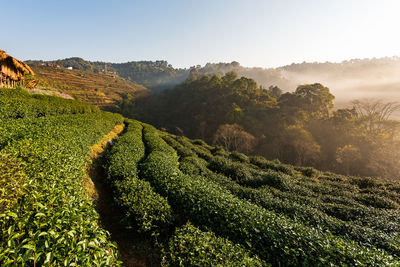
[134, 248]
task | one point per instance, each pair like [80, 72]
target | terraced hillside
[194, 204]
[98, 89]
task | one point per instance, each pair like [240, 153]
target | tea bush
[247, 211]
[12, 182]
[189, 246]
[17, 103]
[55, 223]
[273, 237]
[144, 209]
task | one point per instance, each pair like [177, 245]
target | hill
[102, 90]
[169, 200]
[155, 75]
[350, 79]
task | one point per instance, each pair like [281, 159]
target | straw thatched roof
[12, 68]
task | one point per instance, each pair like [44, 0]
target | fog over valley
[347, 81]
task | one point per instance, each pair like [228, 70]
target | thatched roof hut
[12, 70]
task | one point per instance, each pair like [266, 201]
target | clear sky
[258, 33]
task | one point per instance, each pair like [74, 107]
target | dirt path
[135, 249]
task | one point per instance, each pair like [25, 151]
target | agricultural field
[99, 89]
[17, 103]
[207, 206]
[46, 216]
[197, 205]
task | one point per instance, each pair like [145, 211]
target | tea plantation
[46, 217]
[199, 205]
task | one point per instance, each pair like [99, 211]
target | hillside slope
[155, 75]
[198, 205]
[208, 206]
[46, 216]
[99, 89]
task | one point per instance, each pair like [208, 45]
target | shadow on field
[135, 249]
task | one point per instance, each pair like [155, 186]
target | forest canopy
[301, 127]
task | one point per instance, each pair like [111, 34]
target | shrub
[309, 215]
[220, 151]
[193, 165]
[143, 207]
[154, 142]
[180, 149]
[55, 223]
[199, 150]
[12, 182]
[275, 238]
[246, 175]
[237, 156]
[263, 163]
[126, 153]
[364, 182]
[17, 103]
[377, 201]
[200, 143]
[308, 171]
[190, 246]
[207, 204]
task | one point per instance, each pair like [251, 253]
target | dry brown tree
[234, 138]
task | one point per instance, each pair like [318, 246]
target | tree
[233, 138]
[348, 158]
[318, 99]
[275, 91]
[127, 104]
[292, 109]
[193, 74]
[344, 115]
[385, 161]
[298, 146]
[230, 77]
[235, 114]
[375, 115]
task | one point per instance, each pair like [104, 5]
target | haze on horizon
[187, 33]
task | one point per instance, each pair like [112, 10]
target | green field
[197, 205]
[46, 216]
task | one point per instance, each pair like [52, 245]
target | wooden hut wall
[12, 70]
